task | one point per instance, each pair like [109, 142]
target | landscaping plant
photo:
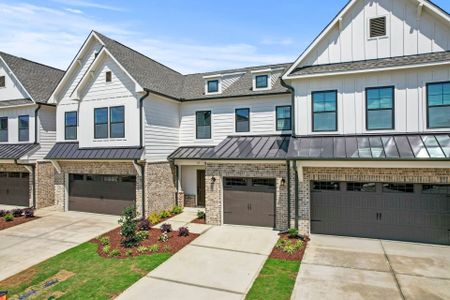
[106, 249]
[154, 218]
[201, 214]
[8, 218]
[183, 231]
[293, 233]
[165, 214]
[104, 240]
[166, 227]
[141, 249]
[153, 248]
[28, 212]
[3, 213]
[17, 212]
[128, 228]
[115, 252]
[164, 237]
[142, 235]
[177, 210]
[144, 224]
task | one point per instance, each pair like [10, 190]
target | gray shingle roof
[368, 147]
[158, 78]
[400, 61]
[38, 79]
[71, 150]
[15, 151]
[15, 102]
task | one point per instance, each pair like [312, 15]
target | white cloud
[75, 11]
[82, 3]
[277, 41]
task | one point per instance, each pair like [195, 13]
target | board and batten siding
[162, 127]
[262, 117]
[407, 33]
[409, 102]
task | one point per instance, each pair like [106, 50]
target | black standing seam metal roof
[15, 151]
[71, 150]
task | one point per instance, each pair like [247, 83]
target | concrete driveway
[25, 245]
[356, 268]
[220, 264]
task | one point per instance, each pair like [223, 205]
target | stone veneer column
[160, 186]
[45, 184]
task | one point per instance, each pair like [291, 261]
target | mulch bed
[16, 221]
[297, 255]
[199, 221]
[173, 245]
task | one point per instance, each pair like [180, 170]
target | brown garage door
[249, 201]
[104, 194]
[407, 212]
[14, 188]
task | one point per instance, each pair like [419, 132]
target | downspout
[296, 194]
[36, 115]
[288, 169]
[177, 178]
[141, 145]
[292, 90]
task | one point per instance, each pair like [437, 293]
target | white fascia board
[222, 75]
[268, 70]
[10, 72]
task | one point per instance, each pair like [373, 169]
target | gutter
[141, 145]
[296, 194]
[292, 92]
[36, 114]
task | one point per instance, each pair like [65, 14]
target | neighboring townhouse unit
[27, 131]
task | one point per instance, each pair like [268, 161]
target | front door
[201, 188]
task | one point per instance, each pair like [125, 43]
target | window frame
[207, 86]
[71, 126]
[236, 119]
[108, 75]
[276, 117]
[210, 125]
[107, 123]
[7, 129]
[4, 81]
[256, 87]
[111, 122]
[428, 104]
[379, 109]
[20, 128]
[335, 111]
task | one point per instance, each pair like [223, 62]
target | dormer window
[2, 81]
[378, 27]
[108, 76]
[212, 86]
[261, 81]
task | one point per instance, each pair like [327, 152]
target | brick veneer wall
[214, 190]
[441, 176]
[160, 186]
[45, 184]
[22, 169]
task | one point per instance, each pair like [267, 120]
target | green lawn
[95, 277]
[275, 281]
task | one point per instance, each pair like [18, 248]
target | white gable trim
[11, 73]
[421, 4]
[87, 76]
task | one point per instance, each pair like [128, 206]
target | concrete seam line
[229, 250]
[423, 276]
[344, 267]
[393, 272]
[196, 285]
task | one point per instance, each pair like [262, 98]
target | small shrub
[115, 252]
[163, 237]
[28, 212]
[289, 246]
[166, 227]
[144, 224]
[104, 240]
[293, 233]
[142, 235]
[183, 231]
[153, 248]
[167, 248]
[8, 218]
[106, 249]
[165, 214]
[17, 212]
[201, 214]
[289, 249]
[3, 213]
[154, 218]
[129, 252]
[141, 249]
[177, 210]
[128, 228]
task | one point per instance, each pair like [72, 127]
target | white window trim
[388, 27]
[269, 81]
[3, 87]
[109, 82]
[219, 79]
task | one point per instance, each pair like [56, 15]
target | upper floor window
[24, 128]
[203, 124]
[70, 125]
[212, 86]
[108, 76]
[377, 27]
[283, 118]
[2, 81]
[261, 81]
[117, 122]
[438, 105]
[380, 108]
[3, 129]
[324, 111]
[242, 120]
[101, 123]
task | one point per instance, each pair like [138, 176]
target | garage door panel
[14, 188]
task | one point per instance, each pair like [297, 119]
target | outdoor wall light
[283, 182]
[213, 180]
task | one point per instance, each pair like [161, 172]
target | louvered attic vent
[378, 27]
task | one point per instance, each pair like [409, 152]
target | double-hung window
[203, 124]
[101, 123]
[242, 120]
[3, 129]
[380, 108]
[70, 125]
[24, 128]
[117, 122]
[324, 111]
[438, 105]
[283, 118]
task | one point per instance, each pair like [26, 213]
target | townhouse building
[27, 131]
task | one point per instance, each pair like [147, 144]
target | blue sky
[187, 35]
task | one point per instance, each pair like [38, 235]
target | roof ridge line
[32, 61]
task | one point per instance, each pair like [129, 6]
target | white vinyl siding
[47, 132]
[13, 114]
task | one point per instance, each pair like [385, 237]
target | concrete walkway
[25, 245]
[356, 268]
[220, 264]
